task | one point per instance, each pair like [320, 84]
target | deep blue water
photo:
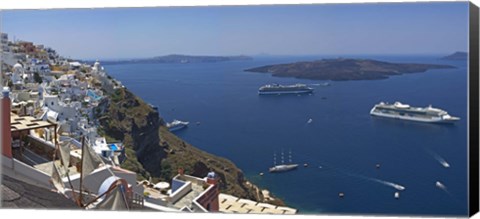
[237, 123]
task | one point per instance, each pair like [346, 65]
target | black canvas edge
[473, 110]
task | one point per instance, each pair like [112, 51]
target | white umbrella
[161, 185]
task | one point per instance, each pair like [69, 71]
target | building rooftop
[232, 204]
[19, 194]
[20, 123]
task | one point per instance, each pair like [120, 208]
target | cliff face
[146, 143]
[127, 118]
[152, 151]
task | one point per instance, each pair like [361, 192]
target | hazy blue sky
[386, 28]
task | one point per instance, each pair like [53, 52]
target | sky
[326, 29]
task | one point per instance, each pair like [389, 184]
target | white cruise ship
[407, 112]
[284, 89]
[176, 125]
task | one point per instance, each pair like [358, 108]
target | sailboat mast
[81, 173]
[290, 156]
[274, 159]
[282, 158]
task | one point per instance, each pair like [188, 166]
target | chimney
[6, 139]
[212, 178]
[213, 204]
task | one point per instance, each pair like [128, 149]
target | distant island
[457, 56]
[344, 69]
[179, 59]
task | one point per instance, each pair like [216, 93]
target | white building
[75, 65]
[17, 74]
[65, 111]
[97, 67]
[38, 66]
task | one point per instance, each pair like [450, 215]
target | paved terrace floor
[232, 204]
[187, 199]
[48, 168]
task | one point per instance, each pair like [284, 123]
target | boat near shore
[176, 125]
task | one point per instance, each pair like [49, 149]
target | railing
[197, 181]
[137, 201]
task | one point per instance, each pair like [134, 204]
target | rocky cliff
[152, 151]
[127, 118]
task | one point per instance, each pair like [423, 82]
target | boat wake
[394, 185]
[440, 159]
[391, 184]
[383, 182]
[443, 187]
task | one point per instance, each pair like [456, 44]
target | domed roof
[17, 66]
[97, 66]
[107, 183]
[211, 175]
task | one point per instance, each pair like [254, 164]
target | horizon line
[265, 55]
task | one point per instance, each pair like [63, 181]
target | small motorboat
[440, 185]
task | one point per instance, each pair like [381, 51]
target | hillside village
[59, 133]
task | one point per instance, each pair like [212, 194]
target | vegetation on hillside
[152, 151]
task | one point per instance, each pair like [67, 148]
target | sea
[346, 150]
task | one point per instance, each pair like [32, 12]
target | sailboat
[282, 167]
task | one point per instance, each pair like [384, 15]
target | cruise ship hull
[283, 168]
[450, 120]
[284, 92]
